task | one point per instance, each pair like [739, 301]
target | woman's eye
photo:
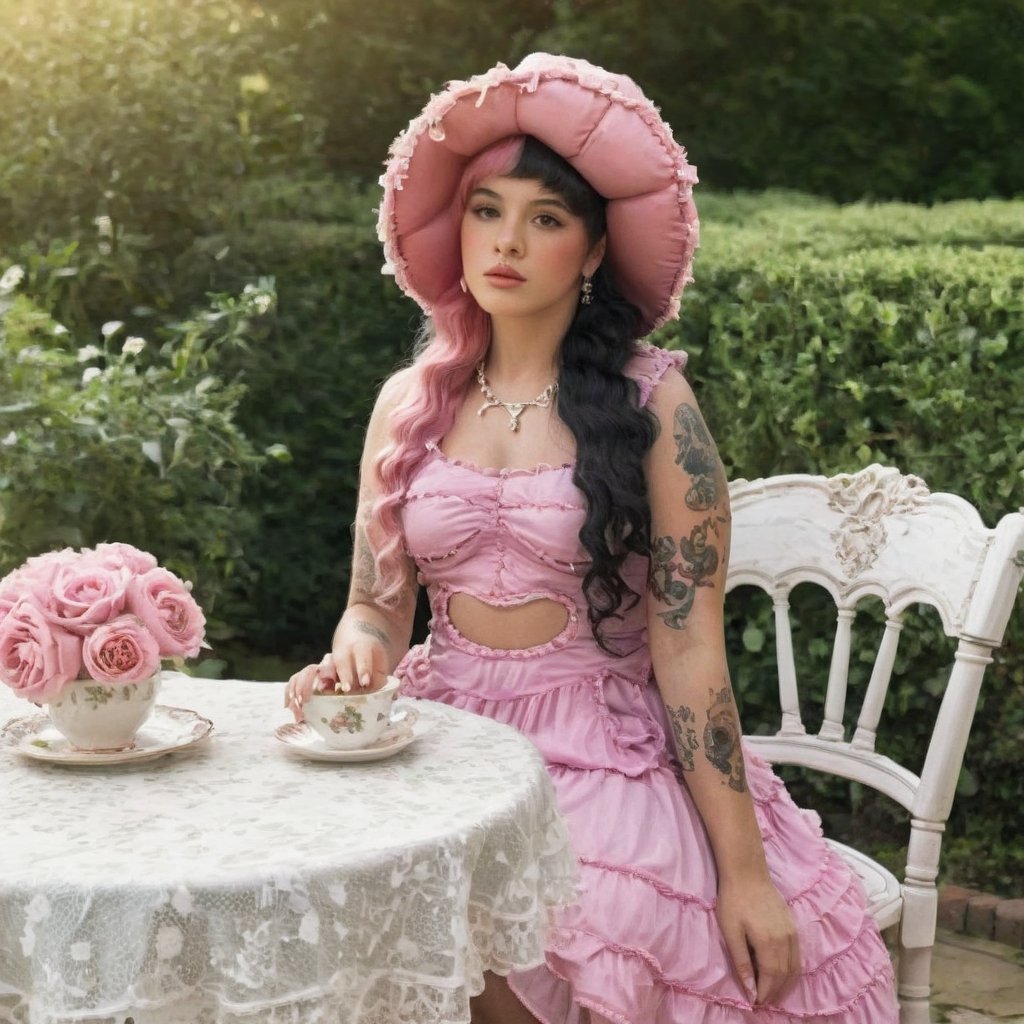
[485, 212]
[547, 221]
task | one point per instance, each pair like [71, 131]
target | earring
[587, 292]
[463, 285]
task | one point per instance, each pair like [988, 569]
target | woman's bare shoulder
[395, 389]
[391, 395]
[671, 391]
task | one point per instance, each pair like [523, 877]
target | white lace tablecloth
[235, 882]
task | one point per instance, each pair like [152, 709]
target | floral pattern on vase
[97, 717]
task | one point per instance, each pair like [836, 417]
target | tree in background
[369, 66]
[881, 99]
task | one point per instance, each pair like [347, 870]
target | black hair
[601, 407]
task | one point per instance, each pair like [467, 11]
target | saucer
[301, 739]
[165, 731]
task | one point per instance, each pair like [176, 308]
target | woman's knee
[498, 1004]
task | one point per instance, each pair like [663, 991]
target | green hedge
[859, 334]
[340, 328]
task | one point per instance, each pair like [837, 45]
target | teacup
[350, 721]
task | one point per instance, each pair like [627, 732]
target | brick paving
[982, 915]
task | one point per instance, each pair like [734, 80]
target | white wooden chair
[880, 533]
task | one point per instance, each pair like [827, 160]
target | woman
[551, 482]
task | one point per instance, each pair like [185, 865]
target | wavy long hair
[596, 400]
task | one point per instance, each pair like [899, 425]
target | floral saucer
[301, 739]
[166, 731]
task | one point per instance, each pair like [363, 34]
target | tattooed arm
[690, 530]
[370, 639]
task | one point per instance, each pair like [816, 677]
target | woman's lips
[504, 277]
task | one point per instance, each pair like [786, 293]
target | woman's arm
[371, 638]
[690, 531]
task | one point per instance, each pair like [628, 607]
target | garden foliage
[823, 339]
[127, 126]
[339, 329]
[160, 159]
[115, 437]
[881, 98]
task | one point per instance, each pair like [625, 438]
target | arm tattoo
[683, 720]
[722, 739]
[365, 566]
[372, 630]
[698, 457]
[674, 580]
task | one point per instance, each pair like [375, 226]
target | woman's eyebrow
[491, 194]
[553, 201]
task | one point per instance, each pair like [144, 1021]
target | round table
[238, 882]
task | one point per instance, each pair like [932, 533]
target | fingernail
[337, 686]
[345, 687]
[364, 679]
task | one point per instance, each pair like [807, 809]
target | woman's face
[524, 253]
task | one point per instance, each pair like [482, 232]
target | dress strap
[649, 365]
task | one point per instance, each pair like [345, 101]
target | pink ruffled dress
[642, 944]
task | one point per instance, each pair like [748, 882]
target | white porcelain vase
[96, 716]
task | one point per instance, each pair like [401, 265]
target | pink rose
[121, 556]
[36, 576]
[10, 594]
[169, 612]
[122, 651]
[46, 565]
[83, 595]
[36, 657]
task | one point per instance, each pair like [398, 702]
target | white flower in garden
[59, 329]
[12, 277]
[104, 225]
[11, 438]
[111, 327]
[133, 346]
[260, 299]
[88, 352]
[91, 373]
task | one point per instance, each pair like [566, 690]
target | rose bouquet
[108, 614]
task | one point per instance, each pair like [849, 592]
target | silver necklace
[514, 409]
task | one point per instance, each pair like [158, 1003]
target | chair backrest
[878, 532]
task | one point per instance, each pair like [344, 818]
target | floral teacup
[350, 721]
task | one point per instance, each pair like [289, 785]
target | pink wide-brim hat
[599, 122]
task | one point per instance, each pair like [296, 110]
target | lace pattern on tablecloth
[402, 936]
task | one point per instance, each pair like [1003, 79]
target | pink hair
[441, 369]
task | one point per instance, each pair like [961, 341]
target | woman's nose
[510, 239]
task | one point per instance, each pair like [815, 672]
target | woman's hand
[761, 938]
[360, 665]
